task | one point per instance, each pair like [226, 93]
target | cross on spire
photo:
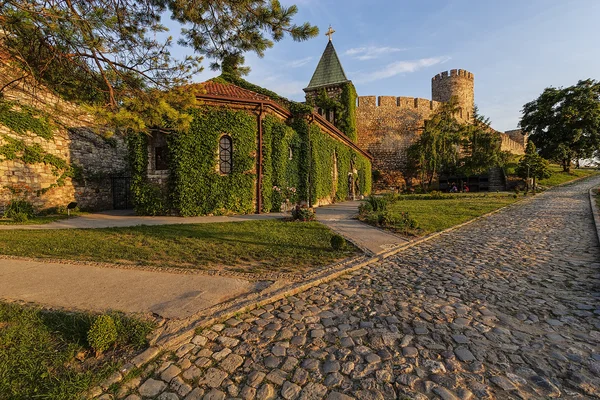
[330, 33]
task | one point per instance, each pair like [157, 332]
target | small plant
[401, 220]
[377, 203]
[338, 242]
[20, 217]
[365, 208]
[19, 206]
[102, 334]
[436, 195]
[303, 214]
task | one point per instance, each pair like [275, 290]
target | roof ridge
[229, 89]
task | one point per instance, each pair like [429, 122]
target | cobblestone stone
[504, 307]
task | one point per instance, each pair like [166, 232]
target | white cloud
[299, 63]
[400, 67]
[371, 52]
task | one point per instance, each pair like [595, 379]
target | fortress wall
[518, 136]
[510, 145]
[387, 125]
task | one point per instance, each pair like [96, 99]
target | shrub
[365, 208]
[19, 206]
[102, 334]
[377, 203]
[338, 242]
[436, 195]
[374, 218]
[401, 220]
[303, 214]
[131, 331]
[20, 217]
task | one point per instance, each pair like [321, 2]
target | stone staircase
[497, 181]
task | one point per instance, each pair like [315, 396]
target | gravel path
[506, 307]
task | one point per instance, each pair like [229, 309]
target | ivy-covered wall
[342, 101]
[50, 164]
[196, 185]
[297, 166]
[328, 183]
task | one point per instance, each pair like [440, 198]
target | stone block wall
[518, 136]
[457, 83]
[95, 157]
[387, 125]
[510, 145]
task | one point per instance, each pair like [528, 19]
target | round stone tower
[459, 83]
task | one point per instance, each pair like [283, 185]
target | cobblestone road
[507, 307]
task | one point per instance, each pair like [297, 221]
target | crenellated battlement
[453, 73]
[413, 103]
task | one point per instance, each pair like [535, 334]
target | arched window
[225, 155]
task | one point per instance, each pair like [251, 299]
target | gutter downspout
[259, 161]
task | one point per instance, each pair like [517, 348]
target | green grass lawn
[44, 354]
[250, 246]
[434, 215]
[558, 176]
[46, 219]
[437, 215]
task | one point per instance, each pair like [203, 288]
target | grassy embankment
[558, 176]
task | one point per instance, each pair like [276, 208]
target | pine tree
[110, 53]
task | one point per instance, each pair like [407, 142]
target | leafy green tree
[437, 149]
[565, 122]
[532, 165]
[109, 52]
[481, 146]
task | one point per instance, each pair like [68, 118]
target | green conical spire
[329, 70]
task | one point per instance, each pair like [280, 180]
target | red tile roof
[231, 90]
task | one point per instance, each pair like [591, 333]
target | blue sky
[515, 48]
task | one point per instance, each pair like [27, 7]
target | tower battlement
[454, 73]
[408, 103]
[458, 84]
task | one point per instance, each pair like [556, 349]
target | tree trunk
[566, 165]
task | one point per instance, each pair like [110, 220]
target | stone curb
[595, 209]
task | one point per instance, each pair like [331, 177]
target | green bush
[377, 203]
[338, 242]
[436, 195]
[365, 208]
[374, 218]
[20, 217]
[131, 331]
[102, 334]
[303, 214]
[19, 206]
[402, 221]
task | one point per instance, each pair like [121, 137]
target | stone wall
[387, 125]
[457, 83]
[510, 145]
[518, 136]
[95, 157]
